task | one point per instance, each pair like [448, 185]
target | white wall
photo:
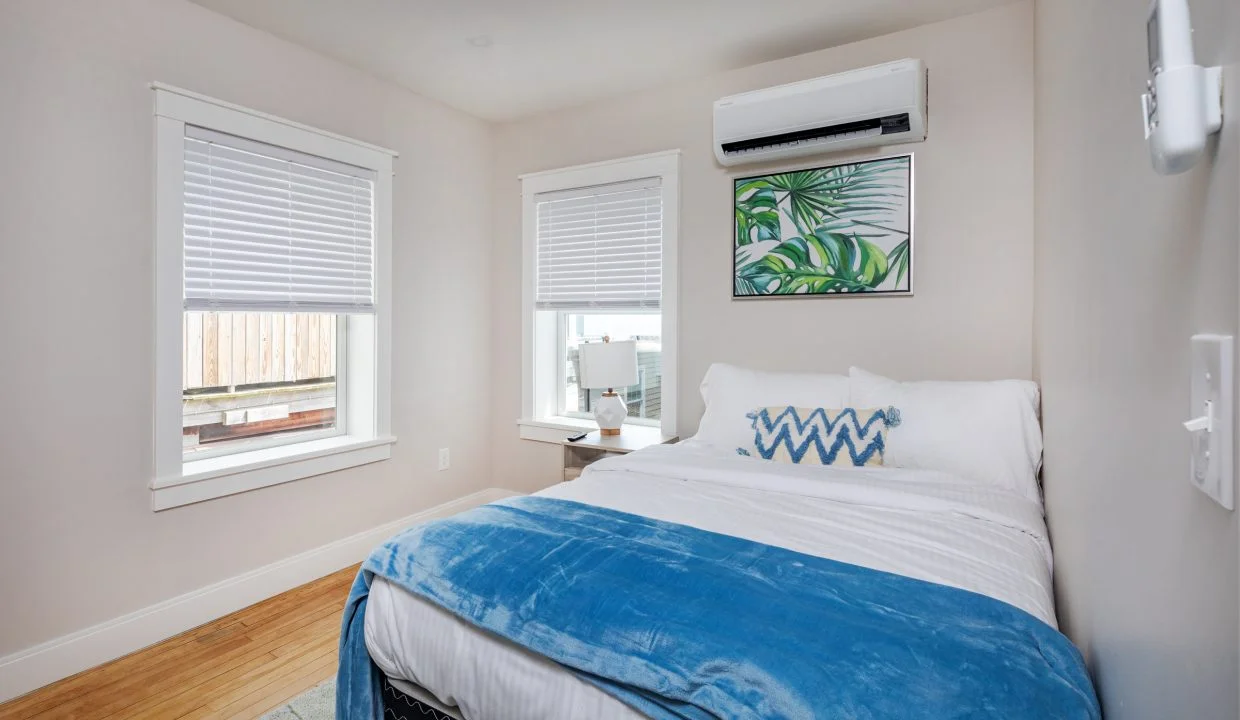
[972, 315]
[1129, 265]
[78, 541]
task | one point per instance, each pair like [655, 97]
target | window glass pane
[643, 399]
[251, 378]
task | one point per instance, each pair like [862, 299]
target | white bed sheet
[922, 524]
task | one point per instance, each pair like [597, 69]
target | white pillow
[732, 392]
[984, 432]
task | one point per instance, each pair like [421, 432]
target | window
[644, 400]
[600, 256]
[271, 327]
[256, 379]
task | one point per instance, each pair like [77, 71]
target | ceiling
[506, 59]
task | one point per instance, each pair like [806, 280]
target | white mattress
[921, 524]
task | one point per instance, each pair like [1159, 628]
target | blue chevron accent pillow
[848, 437]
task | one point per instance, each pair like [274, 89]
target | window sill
[557, 429]
[554, 429]
[217, 477]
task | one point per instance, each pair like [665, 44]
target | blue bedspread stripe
[684, 623]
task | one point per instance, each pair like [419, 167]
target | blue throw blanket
[683, 623]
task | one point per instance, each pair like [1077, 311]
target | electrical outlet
[444, 460]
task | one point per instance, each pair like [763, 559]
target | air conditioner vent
[821, 135]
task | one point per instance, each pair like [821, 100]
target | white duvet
[922, 524]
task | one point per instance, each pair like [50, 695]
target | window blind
[600, 247]
[267, 228]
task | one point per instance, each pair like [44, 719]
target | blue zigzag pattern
[775, 428]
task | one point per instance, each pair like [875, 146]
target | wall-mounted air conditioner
[880, 105]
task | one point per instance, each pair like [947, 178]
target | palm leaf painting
[830, 230]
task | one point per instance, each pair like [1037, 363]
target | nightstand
[593, 447]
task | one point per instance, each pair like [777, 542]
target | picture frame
[840, 230]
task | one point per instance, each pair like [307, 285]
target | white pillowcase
[731, 393]
[984, 432]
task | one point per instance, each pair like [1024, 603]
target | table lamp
[609, 365]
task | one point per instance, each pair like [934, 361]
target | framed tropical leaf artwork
[836, 230]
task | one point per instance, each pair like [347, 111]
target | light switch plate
[1211, 468]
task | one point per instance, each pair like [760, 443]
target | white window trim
[535, 425]
[367, 418]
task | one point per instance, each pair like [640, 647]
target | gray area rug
[317, 703]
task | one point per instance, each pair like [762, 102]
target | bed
[930, 526]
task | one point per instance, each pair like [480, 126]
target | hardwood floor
[239, 666]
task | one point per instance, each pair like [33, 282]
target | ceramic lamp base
[610, 413]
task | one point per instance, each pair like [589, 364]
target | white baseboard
[61, 657]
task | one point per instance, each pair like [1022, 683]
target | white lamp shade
[609, 364]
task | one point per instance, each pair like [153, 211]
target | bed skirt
[399, 706]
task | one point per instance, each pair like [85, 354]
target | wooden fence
[231, 349]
